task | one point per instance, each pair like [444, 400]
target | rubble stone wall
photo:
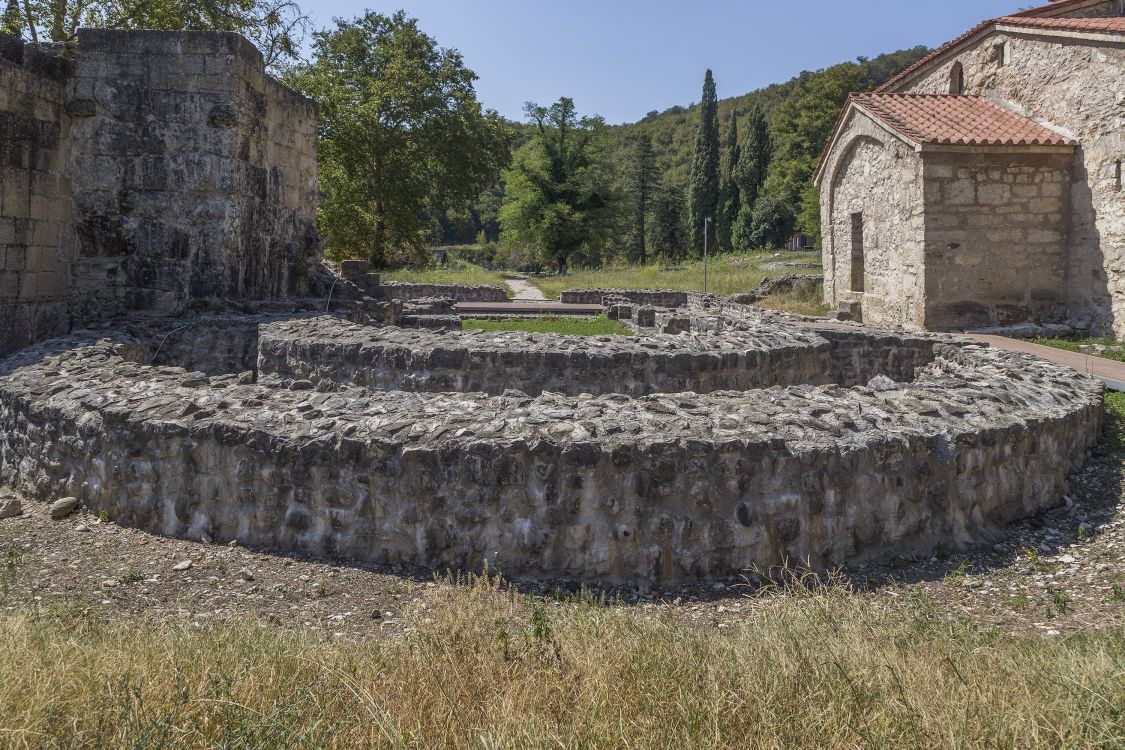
[36, 233]
[194, 172]
[152, 170]
[663, 488]
[324, 351]
[654, 297]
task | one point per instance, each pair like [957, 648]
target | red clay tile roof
[1109, 25]
[957, 120]
[1114, 25]
[1053, 8]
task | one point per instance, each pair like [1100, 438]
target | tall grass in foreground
[827, 669]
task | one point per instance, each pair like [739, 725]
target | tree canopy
[274, 26]
[559, 198]
[703, 186]
[401, 135]
[643, 182]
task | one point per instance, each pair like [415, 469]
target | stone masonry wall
[1077, 86]
[654, 297]
[36, 234]
[665, 488]
[328, 352]
[877, 177]
[996, 238]
[194, 173]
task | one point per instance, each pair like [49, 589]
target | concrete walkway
[1109, 371]
[525, 291]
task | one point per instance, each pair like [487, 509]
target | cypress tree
[642, 184]
[703, 189]
[750, 173]
[728, 190]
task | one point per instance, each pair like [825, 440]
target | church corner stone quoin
[175, 355]
[982, 186]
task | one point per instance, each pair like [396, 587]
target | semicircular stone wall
[319, 456]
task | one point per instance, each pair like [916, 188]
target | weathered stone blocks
[667, 487]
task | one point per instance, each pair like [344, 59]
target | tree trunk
[642, 229]
[379, 241]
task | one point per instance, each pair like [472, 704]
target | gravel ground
[1060, 572]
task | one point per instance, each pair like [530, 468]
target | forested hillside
[673, 130]
[800, 114]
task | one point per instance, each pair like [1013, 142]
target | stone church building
[982, 186]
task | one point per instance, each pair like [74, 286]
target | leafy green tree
[558, 198]
[808, 214]
[669, 236]
[750, 174]
[642, 184]
[274, 26]
[730, 195]
[703, 188]
[801, 126]
[12, 20]
[401, 135]
[771, 223]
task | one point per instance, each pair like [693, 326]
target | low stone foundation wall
[664, 488]
[323, 350]
[457, 292]
[654, 297]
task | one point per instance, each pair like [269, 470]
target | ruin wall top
[146, 172]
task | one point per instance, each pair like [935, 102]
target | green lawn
[574, 326]
[1113, 349]
[727, 274]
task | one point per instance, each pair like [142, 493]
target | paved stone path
[525, 290]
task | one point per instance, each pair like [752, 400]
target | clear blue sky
[624, 58]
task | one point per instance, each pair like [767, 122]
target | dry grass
[456, 271]
[491, 669]
[726, 274]
[801, 301]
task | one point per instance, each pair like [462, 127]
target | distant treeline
[798, 118]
